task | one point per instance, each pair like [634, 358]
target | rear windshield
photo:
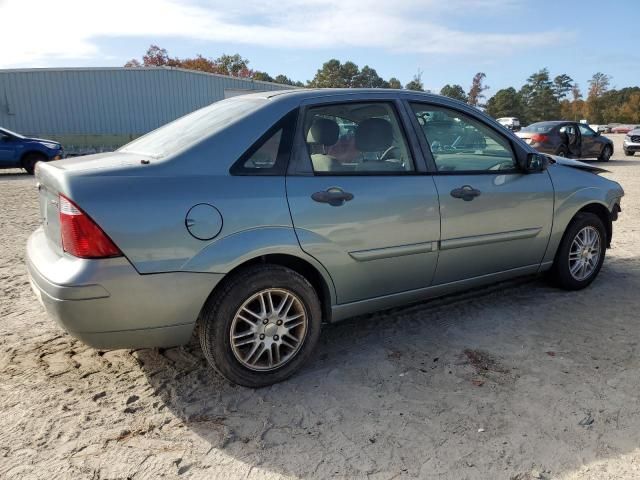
[192, 128]
[538, 128]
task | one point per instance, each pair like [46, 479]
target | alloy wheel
[268, 329]
[584, 253]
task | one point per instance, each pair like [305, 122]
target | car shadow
[626, 162]
[514, 375]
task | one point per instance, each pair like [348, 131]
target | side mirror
[535, 162]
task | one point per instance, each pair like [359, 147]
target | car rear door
[494, 218]
[360, 201]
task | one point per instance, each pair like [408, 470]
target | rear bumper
[107, 304]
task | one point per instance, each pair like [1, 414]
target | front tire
[581, 252]
[562, 152]
[606, 153]
[628, 153]
[30, 160]
[261, 326]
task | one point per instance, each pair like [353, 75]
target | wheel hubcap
[584, 253]
[268, 329]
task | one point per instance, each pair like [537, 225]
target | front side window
[460, 143]
[586, 131]
[356, 138]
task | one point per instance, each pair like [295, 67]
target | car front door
[494, 218]
[360, 201]
[590, 145]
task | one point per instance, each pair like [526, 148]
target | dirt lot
[518, 381]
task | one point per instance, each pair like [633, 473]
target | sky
[447, 40]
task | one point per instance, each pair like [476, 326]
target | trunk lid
[55, 178]
[48, 189]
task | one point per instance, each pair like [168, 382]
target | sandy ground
[519, 381]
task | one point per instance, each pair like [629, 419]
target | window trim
[301, 164]
[426, 148]
[288, 126]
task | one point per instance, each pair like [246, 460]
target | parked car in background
[567, 139]
[624, 128]
[237, 222]
[18, 151]
[512, 123]
[631, 143]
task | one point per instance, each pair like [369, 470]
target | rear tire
[562, 152]
[581, 252]
[29, 161]
[606, 153]
[270, 346]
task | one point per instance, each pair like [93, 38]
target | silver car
[258, 218]
[631, 143]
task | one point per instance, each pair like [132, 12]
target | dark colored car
[18, 151]
[567, 139]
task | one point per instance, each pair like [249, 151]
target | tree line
[543, 98]
[540, 98]
[333, 74]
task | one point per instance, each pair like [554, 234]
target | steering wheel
[387, 153]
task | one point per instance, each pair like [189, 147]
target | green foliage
[562, 85]
[540, 98]
[507, 103]
[416, 84]
[335, 74]
[454, 91]
[262, 77]
[394, 83]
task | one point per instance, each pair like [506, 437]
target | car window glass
[192, 128]
[461, 143]
[356, 138]
[266, 155]
[586, 131]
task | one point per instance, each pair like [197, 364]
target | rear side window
[270, 154]
[356, 139]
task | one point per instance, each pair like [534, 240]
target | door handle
[466, 193]
[333, 196]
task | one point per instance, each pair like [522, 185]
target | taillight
[539, 138]
[81, 237]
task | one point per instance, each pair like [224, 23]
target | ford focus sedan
[253, 221]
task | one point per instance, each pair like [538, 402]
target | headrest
[374, 135]
[323, 132]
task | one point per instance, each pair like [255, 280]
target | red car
[624, 128]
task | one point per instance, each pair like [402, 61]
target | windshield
[191, 128]
[538, 128]
[9, 132]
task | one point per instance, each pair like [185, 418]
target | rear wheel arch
[321, 284]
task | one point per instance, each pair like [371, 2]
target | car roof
[305, 93]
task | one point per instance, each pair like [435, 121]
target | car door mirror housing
[534, 162]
